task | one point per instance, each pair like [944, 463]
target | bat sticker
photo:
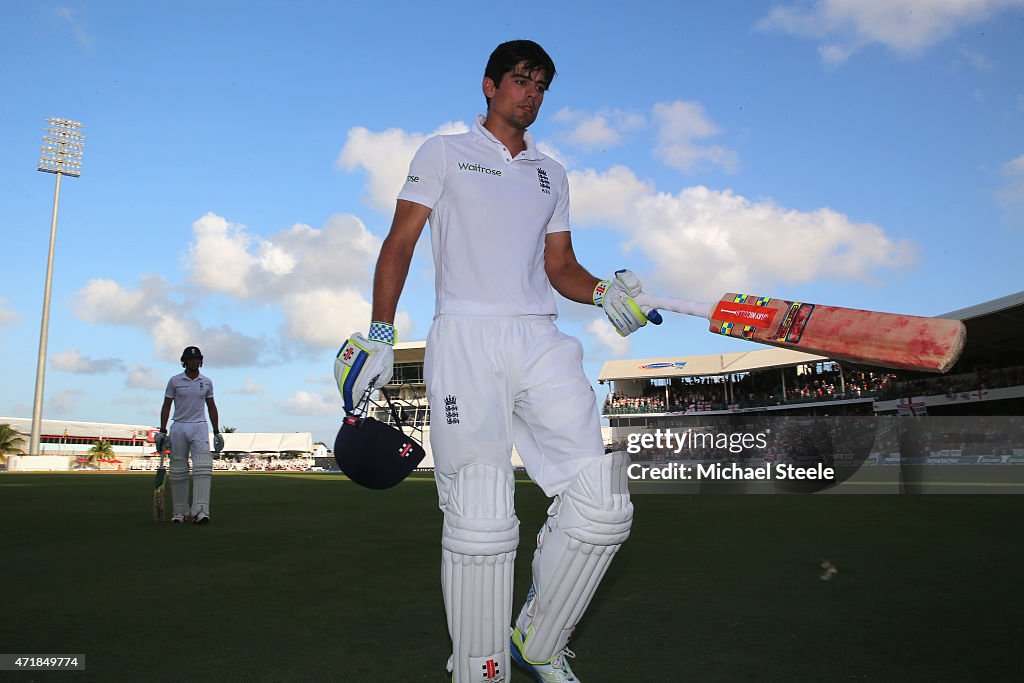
[793, 323]
[744, 314]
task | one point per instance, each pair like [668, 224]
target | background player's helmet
[192, 352]
[375, 454]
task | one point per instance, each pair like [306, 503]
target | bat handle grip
[653, 302]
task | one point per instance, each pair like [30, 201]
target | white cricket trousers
[191, 438]
[495, 381]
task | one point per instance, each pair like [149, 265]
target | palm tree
[228, 430]
[101, 450]
[12, 442]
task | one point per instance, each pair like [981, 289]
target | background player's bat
[890, 340]
[158, 491]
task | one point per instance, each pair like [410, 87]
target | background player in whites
[191, 393]
[499, 372]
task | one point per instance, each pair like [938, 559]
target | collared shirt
[490, 215]
[189, 397]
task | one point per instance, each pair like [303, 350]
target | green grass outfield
[307, 577]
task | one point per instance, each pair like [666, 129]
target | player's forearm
[395, 257]
[389, 278]
[215, 418]
[165, 415]
[573, 281]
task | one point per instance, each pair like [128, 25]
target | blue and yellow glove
[365, 363]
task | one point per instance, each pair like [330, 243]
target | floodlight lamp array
[62, 149]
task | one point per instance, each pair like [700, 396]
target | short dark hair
[508, 56]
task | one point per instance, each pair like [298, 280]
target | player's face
[192, 364]
[518, 97]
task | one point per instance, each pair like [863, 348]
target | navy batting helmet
[375, 454]
[191, 352]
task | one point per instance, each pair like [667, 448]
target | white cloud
[834, 54]
[225, 257]
[223, 346]
[978, 60]
[1012, 190]
[72, 361]
[385, 157]
[171, 326]
[105, 301]
[682, 129]
[63, 402]
[79, 29]
[1015, 166]
[309, 404]
[315, 275]
[606, 197]
[250, 387]
[906, 26]
[601, 129]
[703, 242]
[142, 377]
[341, 253]
[6, 316]
[325, 317]
[603, 331]
[219, 257]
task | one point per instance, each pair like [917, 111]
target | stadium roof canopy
[995, 331]
[266, 442]
[92, 430]
[704, 366]
[1011, 305]
[409, 352]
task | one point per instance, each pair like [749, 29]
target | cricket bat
[890, 340]
[158, 491]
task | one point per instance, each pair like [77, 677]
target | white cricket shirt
[189, 397]
[490, 214]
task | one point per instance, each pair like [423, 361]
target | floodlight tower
[61, 155]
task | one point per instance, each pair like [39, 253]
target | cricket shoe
[178, 518]
[555, 670]
[201, 518]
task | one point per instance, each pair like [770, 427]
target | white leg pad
[479, 540]
[177, 472]
[202, 479]
[587, 525]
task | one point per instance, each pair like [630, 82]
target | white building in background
[64, 443]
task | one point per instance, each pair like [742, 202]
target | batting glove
[158, 441]
[616, 298]
[218, 442]
[365, 363]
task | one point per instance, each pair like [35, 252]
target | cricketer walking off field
[499, 372]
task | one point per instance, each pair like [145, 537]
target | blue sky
[242, 159]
